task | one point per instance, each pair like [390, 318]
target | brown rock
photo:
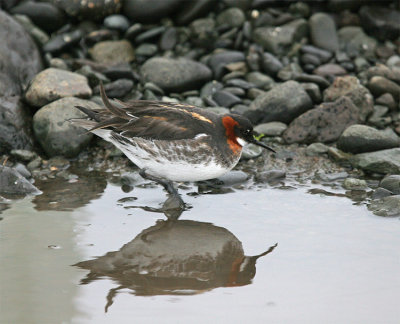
[324, 123]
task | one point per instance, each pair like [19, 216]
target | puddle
[335, 261]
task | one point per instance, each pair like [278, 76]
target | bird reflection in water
[175, 257]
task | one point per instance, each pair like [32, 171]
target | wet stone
[150, 34]
[37, 34]
[361, 138]
[233, 177]
[391, 183]
[386, 207]
[169, 39]
[385, 161]
[52, 84]
[380, 193]
[112, 52]
[323, 55]
[317, 79]
[251, 151]
[270, 176]
[354, 184]
[338, 155]
[12, 182]
[149, 11]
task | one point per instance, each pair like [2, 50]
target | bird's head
[239, 129]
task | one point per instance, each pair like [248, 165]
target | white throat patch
[241, 141]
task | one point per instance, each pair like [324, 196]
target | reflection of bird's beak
[254, 141]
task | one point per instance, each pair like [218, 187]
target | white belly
[174, 162]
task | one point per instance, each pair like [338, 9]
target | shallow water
[335, 261]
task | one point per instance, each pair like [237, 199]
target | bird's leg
[175, 201]
[168, 186]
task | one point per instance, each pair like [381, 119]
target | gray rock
[338, 155]
[380, 193]
[22, 170]
[260, 80]
[270, 64]
[233, 177]
[20, 59]
[360, 139]
[12, 182]
[52, 84]
[355, 42]
[55, 133]
[324, 123]
[313, 91]
[175, 75]
[330, 69]
[386, 100]
[232, 17]
[218, 110]
[117, 22]
[386, 207]
[283, 103]
[226, 99]
[116, 89]
[219, 61]
[15, 124]
[146, 50]
[37, 34]
[278, 40]
[354, 184]
[316, 149]
[351, 87]
[203, 32]
[392, 74]
[149, 10]
[379, 117]
[44, 15]
[271, 128]
[391, 183]
[380, 85]
[270, 176]
[385, 161]
[112, 52]
[323, 32]
[251, 151]
[380, 22]
[23, 155]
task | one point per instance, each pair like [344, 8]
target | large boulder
[20, 61]
[283, 103]
[324, 123]
[55, 133]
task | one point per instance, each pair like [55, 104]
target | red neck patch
[229, 124]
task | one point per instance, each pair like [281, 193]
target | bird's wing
[151, 119]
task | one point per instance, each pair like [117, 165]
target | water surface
[335, 261]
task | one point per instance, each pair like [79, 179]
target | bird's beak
[254, 141]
